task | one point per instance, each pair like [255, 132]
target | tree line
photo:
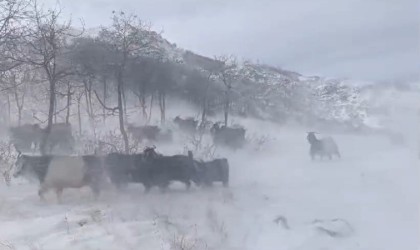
[43, 57]
[57, 72]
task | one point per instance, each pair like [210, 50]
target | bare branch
[115, 109]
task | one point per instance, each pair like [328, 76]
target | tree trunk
[47, 130]
[162, 106]
[150, 108]
[205, 104]
[121, 112]
[124, 102]
[104, 98]
[18, 100]
[204, 112]
[19, 115]
[144, 106]
[79, 117]
[9, 108]
[19, 106]
[55, 113]
[90, 100]
[226, 108]
[68, 103]
[142, 100]
[87, 99]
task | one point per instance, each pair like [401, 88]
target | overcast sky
[360, 39]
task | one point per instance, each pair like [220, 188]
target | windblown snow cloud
[361, 39]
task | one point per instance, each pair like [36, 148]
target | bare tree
[228, 75]
[69, 96]
[141, 74]
[44, 46]
[12, 13]
[127, 38]
[79, 97]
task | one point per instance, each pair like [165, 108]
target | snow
[367, 200]
[278, 198]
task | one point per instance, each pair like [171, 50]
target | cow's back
[329, 145]
[168, 168]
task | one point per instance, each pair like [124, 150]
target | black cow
[212, 171]
[322, 147]
[60, 136]
[120, 168]
[60, 172]
[26, 137]
[162, 170]
[150, 133]
[187, 125]
[227, 136]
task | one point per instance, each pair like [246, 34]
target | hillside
[268, 92]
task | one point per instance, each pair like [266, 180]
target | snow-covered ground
[278, 199]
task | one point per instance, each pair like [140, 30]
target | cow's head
[177, 119]
[190, 154]
[150, 153]
[215, 128]
[198, 174]
[311, 137]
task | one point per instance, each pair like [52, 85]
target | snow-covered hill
[273, 93]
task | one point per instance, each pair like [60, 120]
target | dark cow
[212, 171]
[120, 168]
[162, 170]
[322, 147]
[150, 133]
[228, 136]
[60, 172]
[60, 136]
[188, 125]
[26, 137]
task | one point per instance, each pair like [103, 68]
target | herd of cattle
[28, 137]
[232, 137]
[148, 168]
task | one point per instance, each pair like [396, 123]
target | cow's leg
[225, 182]
[94, 186]
[42, 189]
[338, 154]
[163, 187]
[330, 156]
[312, 156]
[59, 192]
[147, 188]
[187, 184]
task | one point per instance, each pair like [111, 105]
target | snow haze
[278, 198]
